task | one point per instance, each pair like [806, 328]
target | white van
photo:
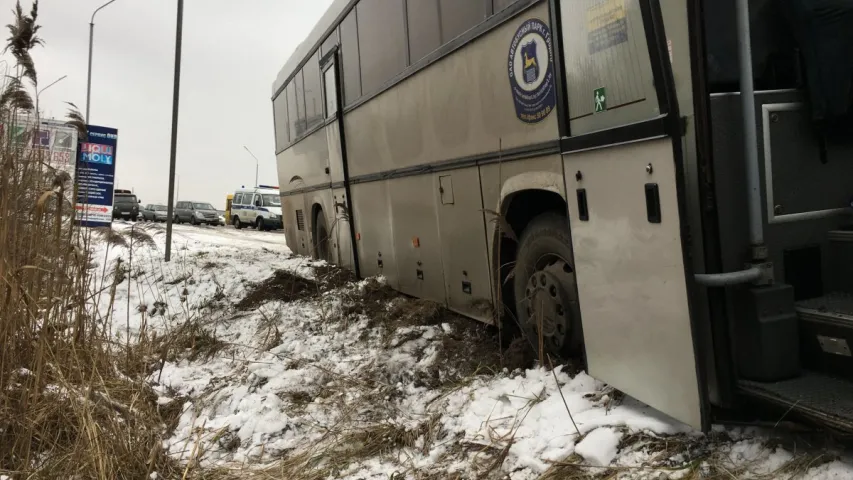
[259, 207]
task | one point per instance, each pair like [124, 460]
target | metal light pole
[38, 94]
[257, 162]
[52, 84]
[91, 42]
[175, 96]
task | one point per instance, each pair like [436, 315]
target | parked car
[155, 213]
[196, 213]
[125, 205]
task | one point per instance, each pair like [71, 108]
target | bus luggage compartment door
[632, 285]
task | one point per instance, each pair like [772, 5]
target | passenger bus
[660, 187]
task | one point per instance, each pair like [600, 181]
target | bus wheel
[237, 223]
[321, 238]
[260, 225]
[544, 286]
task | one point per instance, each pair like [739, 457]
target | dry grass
[353, 445]
[66, 408]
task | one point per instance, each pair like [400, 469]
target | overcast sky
[232, 51]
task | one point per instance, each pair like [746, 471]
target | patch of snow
[836, 470]
[288, 380]
[599, 446]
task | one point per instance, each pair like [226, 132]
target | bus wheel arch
[539, 228]
[320, 233]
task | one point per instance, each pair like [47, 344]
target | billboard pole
[175, 96]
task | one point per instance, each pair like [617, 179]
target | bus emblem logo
[531, 71]
[531, 67]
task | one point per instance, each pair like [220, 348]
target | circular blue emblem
[531, 71]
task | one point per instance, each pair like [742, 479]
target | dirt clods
[283, 286]
[331, 276]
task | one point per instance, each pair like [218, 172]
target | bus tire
[259, 224]
[321, 238]
[545, 289]
[237, 224]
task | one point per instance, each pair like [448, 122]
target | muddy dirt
[470, 348]
[283, 286]
[372, 303]
[331, 277]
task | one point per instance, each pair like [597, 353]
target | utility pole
[175, 97]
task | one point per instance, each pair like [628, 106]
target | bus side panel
[463, 243]
[372, 210]
[340, 231]
[336, 163]
[304, 164]
[460, 106]
[631, 279]
[416, 240]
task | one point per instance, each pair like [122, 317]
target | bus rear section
[783, 337]
[641, 183]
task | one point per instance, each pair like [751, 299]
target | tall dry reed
[69, 406]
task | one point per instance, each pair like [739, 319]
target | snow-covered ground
[339, 379]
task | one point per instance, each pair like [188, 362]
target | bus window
[458, 17]
[282, 132]
[610, 80]
[382, 42]
[313, 101]
[351, 67]
[331, 92]
[499, 5]
[424, 28]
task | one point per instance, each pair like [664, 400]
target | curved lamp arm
[98, 10]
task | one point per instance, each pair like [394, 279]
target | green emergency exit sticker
[600, 99]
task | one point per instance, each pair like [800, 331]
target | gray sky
[232, 51]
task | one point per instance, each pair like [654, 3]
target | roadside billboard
[52, 140]
[96, 166]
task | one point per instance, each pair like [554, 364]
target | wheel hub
[549, 305]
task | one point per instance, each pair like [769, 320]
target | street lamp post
[91, 42]
[38, 94]
[50, 85]
[257, 162]
[174, 151]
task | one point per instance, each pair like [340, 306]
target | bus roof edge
[307, 45]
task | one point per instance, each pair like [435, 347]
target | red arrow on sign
[91, 208]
